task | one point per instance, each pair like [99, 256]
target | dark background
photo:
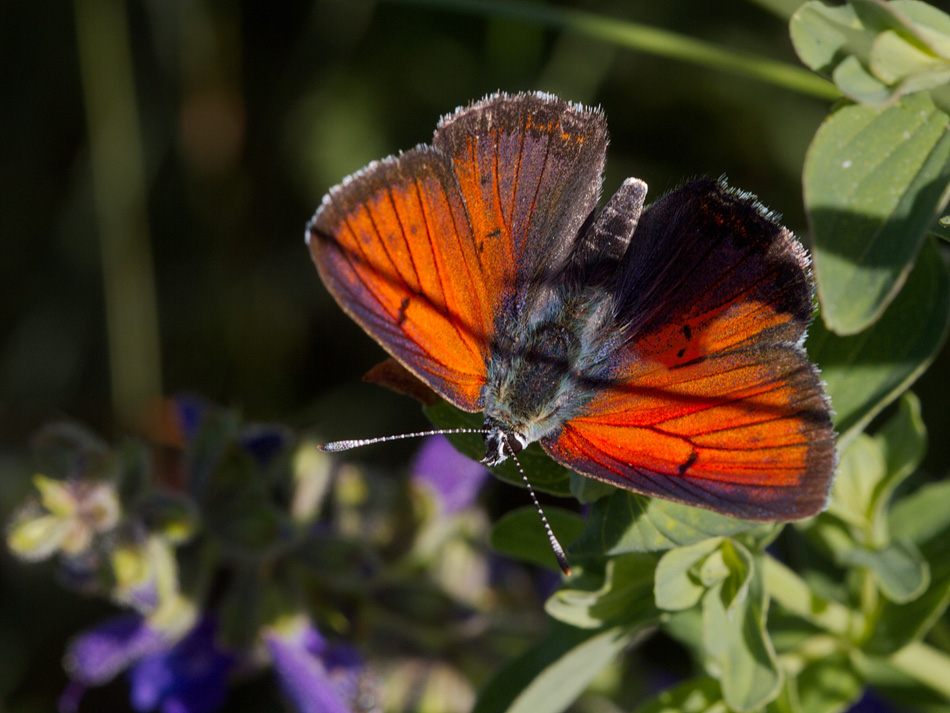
[248, 113]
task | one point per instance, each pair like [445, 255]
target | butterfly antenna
[338, 446]
[555, 545]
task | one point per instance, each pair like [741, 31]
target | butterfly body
[551, 353]
[657, 349]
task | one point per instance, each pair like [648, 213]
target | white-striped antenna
[339, 446]
[559, 554]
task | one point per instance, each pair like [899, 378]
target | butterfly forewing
[529, 167]
[394, 248]
[427, 250]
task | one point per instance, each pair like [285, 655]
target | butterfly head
[501, 443]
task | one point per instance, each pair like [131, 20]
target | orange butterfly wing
[711, 400]
[425, 250]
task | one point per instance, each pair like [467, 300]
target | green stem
[925, 664]
[780, 8]
[647, 39]
[918, 660]
[118, 184]
[789, 590]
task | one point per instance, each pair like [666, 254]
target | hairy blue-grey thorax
[544, 366]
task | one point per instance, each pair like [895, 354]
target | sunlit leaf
[867, 371]
[623, 594]
[737, 647]
[861, 468]
[900, 569]
[903, 443]
[874, 182]
[677, 586]
[629, 522]
[549, 676]
[876, 52]
[700, 695]
[828, 685]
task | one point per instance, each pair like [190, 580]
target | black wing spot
[689, 463]
[690, 362]
[687, 332]
[681, 352]
[401, 316]
[493, 233]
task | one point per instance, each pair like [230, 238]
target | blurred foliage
[201, 137]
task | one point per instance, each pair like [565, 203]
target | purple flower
[95, 657]
[315, 677]
[185, 676]
[453, 479]
[190, 677]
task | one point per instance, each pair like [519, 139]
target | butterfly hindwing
[710, 400]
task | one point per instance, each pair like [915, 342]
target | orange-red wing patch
[395, 249]
[529, 170]
[746, 434]
[709, 398]
[713, 272]
[426, 250]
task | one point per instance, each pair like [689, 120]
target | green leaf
[895, 60]
[915, 678]
[588, 490]
[822, 35]
[520, 534]
[869, 471]
[700, 695]
[737, 647]
[685, 574]
[623, 594]
[549, 676]
[940, 228]
[924, 22]
[901, 571]
[787, 700]
[867, 371]
[874, 182]
[903, 443]
[741, 568]
[629, 522]
[677, 585]
[899, 624]
[861, 468]
[828, 685]
[858, 84]
[924, 516]
[545, 475]
[876, 52]
[924, 519]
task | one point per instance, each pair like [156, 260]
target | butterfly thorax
[537, 381]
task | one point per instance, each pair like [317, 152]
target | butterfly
[655, 348]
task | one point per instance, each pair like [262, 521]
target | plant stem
[789, 590]
[118, 184]
[925, 664]
[647, 39]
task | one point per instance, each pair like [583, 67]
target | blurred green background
[240, 117]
